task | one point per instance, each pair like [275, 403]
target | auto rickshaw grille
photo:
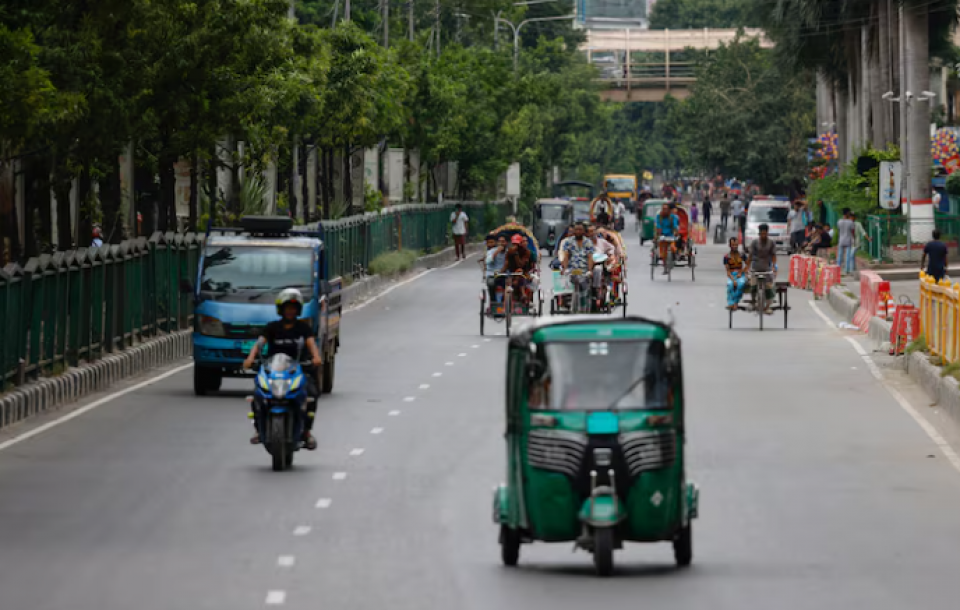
[648, 450]
[556, 450]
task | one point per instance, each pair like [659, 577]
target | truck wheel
[206, 380]
[329, 370]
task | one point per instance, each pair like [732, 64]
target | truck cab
[622, 187]
[241, 272]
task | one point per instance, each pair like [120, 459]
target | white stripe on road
[409, 399]
[438, 374]
[324, 503]
[424, 386]
[90, 407]
[339, 476]
[376, 431]
[356, 451]
[286, 561]
[276, 598]
[302, 530]
[393, 413]
[927, 427]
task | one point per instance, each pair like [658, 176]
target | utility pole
[386, 24]
[516, 33]
[410, 18]
[438, 27]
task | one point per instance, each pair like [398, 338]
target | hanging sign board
[890, 184]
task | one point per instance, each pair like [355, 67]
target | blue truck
[241, 272]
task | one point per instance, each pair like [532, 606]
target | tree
[747, 117]
[697, 14]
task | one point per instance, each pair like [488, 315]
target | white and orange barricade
[872, 286]
[905, 328]
[827, 277]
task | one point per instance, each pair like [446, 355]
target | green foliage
[697, 14]
[917, 345]
[953, 184]
[372, 198]
[393, 263]
[748, 117]
[849, 189]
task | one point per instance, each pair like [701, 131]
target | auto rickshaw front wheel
[683, 546]
[603, 551]
[509, 546]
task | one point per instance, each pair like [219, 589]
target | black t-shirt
[290, 341]
[936, 252]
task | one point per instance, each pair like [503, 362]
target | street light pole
[516, 32]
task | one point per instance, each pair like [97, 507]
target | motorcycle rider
[287, 336]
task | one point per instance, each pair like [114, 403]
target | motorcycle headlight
[212, 327]
[279, 387]
[295, 385]
[262, 380]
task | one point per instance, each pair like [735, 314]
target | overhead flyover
[657, 64]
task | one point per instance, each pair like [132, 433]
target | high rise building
[619, 14]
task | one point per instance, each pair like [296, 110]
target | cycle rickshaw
[683, 254]
[514, 294]
[757, 302]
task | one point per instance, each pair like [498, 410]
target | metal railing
[61, 309]
[896, 239]
[939, 317]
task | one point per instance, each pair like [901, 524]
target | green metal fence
[58, 310]
[890, 242]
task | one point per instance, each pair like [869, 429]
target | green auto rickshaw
[652, 207]
[595, 439]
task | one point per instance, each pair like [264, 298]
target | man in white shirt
[461, 226]
[737, 211]
[602, 246]
[619, 215]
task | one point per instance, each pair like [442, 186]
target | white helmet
[289, 295]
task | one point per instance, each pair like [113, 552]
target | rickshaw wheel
[693, 267]
[603, 551]
[508, 309]
[483, 304]
[683, 546]
[509, 546]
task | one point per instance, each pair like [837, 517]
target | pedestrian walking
[797, 223]
[738, 212]
[707, 209]
[845, 239]
[694, 213]
[724, 212]
[936, 253]
[461, 225]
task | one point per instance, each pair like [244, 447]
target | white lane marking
[474, 346]
[356, 451]
[286, 561]
[461, 355]
[389, 290]
[324, 503]
[376, 431]
[90, 407]
[935, 436]
[448, 364]
[302, 530]
[438, 374]
[339, 476]
[393, 413]
[822, 315]
[424, 386]
[276, 598]
[487, 340]
[409, 399]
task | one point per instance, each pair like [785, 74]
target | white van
[772, 212]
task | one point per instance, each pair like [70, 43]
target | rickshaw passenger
[519, 260]
[601, 246]
[496, 259]
[736, 278]
[491, 242]
[577, 254]
[668, 225]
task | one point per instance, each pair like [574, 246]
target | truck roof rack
[267, 226]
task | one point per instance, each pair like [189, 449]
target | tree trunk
[885, 77]
[843, 135]
[110, 195]
[305, 180]
[194, 191]
[918, 80]
[85, 203]
[168, 193]
[866, 99]
[61, 184]
[347, 179]
[901, 86]
[32, 201]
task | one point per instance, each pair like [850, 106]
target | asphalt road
[817, 489]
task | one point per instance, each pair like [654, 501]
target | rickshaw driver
[495, 261]
[668, 225]
[578, 254]
[519, 260]
[762, 258]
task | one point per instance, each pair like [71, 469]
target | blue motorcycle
[280, 407]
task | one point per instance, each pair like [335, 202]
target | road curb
[75, 383]
[51, 393]
[944, 391]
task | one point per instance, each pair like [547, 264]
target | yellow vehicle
[622, 187]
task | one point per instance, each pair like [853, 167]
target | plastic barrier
[939, 316]
[828, 277]
[797, 264]
[871, 305]
[905, 328]
[699, 234]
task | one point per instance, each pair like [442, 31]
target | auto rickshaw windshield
[552, 211]
[601, 375]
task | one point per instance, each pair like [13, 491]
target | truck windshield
[255, 273]
[620, 185]
[602, 375]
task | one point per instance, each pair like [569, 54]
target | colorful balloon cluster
[828, 146]
[944, 145]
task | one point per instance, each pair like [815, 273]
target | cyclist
[577, 255]
[762, 258]
[667, 225]
[288, 335]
